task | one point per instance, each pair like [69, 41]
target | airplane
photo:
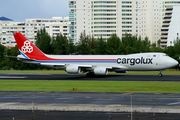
[93, 64]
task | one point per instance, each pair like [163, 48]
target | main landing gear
[160, 74]
[90, 74]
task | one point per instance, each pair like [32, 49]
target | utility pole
[131, 109]
[154, 109]
[110, 118]
[33, 111]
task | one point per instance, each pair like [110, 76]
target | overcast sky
[19, 10]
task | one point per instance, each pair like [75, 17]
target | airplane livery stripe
[45, 58]
[23, 55]
[75, 61]
[79, 60]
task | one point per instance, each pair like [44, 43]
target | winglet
[27, 48]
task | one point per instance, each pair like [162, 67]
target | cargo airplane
[93, 64]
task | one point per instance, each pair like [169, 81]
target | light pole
[131, 109]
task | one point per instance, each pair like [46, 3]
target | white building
[29, 28]
[137, 17]
[174, 27]
[7, 27]
[53, 26]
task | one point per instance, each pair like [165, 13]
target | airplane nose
[174, 62]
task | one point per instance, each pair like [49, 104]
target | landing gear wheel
[160, 74]
[90, 74]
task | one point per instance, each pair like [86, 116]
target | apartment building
[53, 26]
[172, 28]
[7, 27]
[137, 17]
[29, 28]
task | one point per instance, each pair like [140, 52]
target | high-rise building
[29, 28]
[137, 17]
[173, 32]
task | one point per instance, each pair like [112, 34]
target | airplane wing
[84, 67]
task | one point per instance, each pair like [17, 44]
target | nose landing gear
[160, 74]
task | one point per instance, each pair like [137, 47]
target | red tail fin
[27, 48]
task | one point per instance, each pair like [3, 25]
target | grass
[166, 72]
[32, 72]
[90, 86]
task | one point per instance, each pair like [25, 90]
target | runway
[94, 102]
[82, 77]
[81, 98]
[82, 103]
[58, 115]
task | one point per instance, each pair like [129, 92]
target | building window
[55, 26]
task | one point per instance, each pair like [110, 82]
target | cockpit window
[165, 55]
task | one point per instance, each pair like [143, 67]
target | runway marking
[88, 97]
[2, 77]
[65, 98]
[104, 99]
[174, 103]
[44, 92]
[2, 104]
[168, 98]
[127, 94]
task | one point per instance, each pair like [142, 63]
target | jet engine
[73, 69]
[100, 71]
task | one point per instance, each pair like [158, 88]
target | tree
[113, 44]
[153, 45]
[43, 41]
[2, 52]
[92, 45]
[146, 44]
[175, 50]
[177, 46]
[159, 42]
[60, 45]
[72, 48]
[83, 44]
[101, 47]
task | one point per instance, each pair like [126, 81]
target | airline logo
[134, 61]
[27, 47]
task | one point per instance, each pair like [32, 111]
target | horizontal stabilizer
[11, 56]
[22, 59]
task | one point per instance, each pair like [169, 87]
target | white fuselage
[132, 62]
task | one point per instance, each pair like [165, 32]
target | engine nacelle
[100, 71]
[73, 69]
